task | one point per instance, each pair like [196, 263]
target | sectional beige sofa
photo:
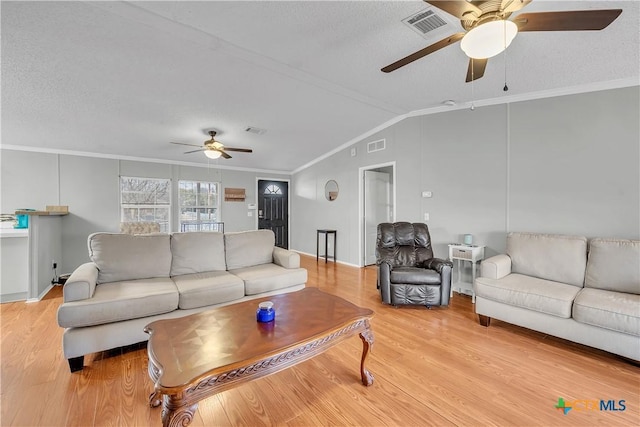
[586, 291]
[136, 279]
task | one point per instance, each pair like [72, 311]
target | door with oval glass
[273, 209]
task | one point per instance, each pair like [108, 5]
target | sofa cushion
[116, 301]
[202, 289]
[617, 311]
[247, 248]
[614, 264]
[269, 277]
[548, 256]
[197, 252]
[414, 275]
[127, 257]
[529, 292]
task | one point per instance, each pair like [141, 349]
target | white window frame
[197, 224]
[165, 226]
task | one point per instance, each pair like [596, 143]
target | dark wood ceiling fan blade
[225, 155]
[577, 20]
[476, 68]
[423, 52]
[182, 143]
[457, 8]
[194, 151]
[241, 150]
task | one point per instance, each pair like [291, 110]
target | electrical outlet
[426, 216]
[54, 265]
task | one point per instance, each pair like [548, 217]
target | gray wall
[568, 165]
[90, 187]
[559, 165]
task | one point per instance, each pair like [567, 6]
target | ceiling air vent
[430, 23]
[374, 146]
[257, 131]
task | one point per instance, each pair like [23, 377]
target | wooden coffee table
[197, 356]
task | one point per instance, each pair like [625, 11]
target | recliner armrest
[81, 284]
[495, 267]
[286, 258]
[436, 264]
[384, 282]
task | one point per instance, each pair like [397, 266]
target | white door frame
[255, 211]
[361, 224]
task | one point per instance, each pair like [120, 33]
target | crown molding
[531, 96]
[137, 159]
[351, 142]
[572, 90]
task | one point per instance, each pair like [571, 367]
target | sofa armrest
[81, 284]
[286, 258]
[496, 267]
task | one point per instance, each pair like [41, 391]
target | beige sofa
[566, 286]
[136, 279]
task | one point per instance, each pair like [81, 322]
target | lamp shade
[488, 39]
[212, 154]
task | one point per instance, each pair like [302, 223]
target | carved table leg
[180, 417]
[155, 399]
[367, 342]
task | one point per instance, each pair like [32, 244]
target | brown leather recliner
[407, 271]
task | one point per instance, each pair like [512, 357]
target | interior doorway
[273, 209]
[377, 204]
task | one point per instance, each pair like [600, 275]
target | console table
[461, 253]
[326, 244]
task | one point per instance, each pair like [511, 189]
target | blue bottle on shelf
[22, 220]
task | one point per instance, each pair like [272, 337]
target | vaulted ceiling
[125, 78]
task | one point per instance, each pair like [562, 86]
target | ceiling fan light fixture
[489, 39]
[212, 154]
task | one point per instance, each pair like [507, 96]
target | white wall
[90, 187]
[567, 165]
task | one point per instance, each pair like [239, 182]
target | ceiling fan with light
[214, 149]
[488, 31]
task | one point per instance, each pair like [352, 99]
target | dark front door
[273, 209]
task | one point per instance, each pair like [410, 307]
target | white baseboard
[46, 291]
[338, 261]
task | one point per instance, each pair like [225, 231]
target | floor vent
[374, 146]
[430, 23]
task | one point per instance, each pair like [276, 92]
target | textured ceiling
[125, 78]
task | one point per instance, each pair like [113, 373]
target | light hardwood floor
[431, 367]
